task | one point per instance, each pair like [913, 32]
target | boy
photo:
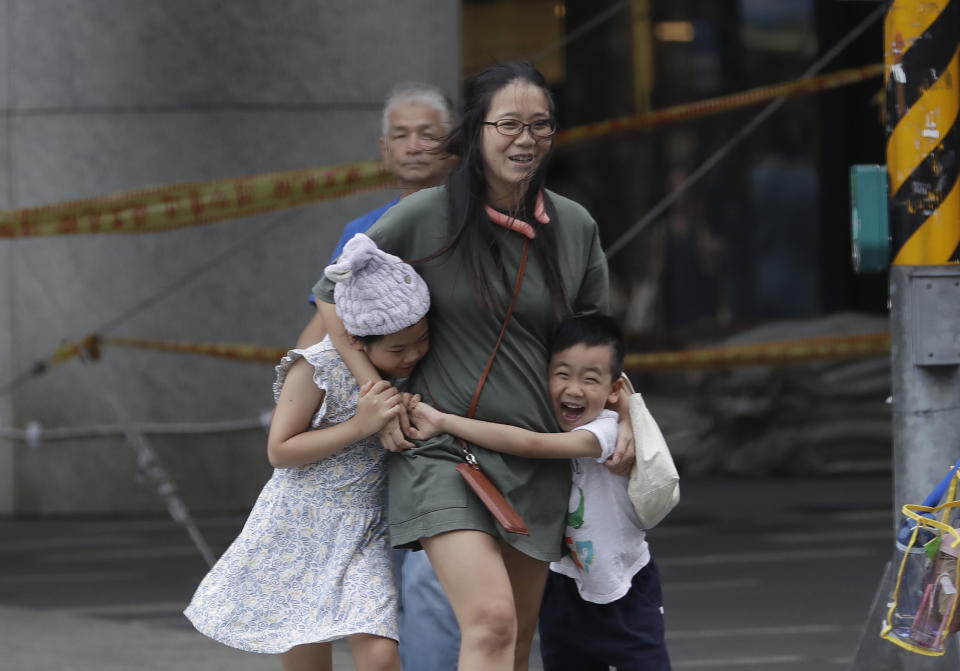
[602, 603]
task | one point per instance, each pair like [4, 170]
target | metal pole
[922, 77]
[923, 137]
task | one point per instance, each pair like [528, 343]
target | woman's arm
[625, 454]
[290, 444]
[359, 364]
[428, 422]
[313, 332]
[356, 360]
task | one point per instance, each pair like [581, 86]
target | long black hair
[470, 230]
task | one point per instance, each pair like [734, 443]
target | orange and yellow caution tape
[191, 204]
[778, 353]
[720, 104]
[177, 205]
[237, 352]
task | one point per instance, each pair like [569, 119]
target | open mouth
[522, 160]
[571, 412]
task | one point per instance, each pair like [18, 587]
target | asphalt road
[774, 575]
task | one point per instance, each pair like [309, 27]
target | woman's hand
[379, 403]
[426, 422]
[625, 454]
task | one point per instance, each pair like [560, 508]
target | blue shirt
[359, 225]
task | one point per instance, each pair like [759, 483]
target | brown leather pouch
[491, 497]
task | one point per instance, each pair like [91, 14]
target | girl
[312, 563]
[469, 236]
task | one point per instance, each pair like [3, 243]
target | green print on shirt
[575, 518]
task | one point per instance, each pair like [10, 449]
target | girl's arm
[291, 444]
[391, 434]
[428, 421]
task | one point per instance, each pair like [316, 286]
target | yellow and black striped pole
[922, 59]
[922, 73]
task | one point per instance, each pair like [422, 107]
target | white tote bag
[654, 485]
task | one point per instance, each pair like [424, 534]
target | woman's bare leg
[470, 567]
[374, 653]
[308, 657]
[528, 576]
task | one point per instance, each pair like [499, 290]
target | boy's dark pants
[576, 635]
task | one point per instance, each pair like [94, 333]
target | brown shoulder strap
[503, 329]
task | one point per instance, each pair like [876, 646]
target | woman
[468, 237]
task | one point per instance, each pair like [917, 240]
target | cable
[35, 433]
[40, 367]
[581, 31]
[728, 146]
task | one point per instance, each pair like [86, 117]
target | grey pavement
[773, 575]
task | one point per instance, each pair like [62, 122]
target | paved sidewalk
[35, 640]
[774, 575]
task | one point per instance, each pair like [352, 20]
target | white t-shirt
[606, 541]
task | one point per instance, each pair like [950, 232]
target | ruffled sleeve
[320, 356]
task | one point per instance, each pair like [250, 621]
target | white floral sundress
[312, 563]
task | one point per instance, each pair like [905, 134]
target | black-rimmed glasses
[540, 128]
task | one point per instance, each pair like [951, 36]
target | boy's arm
[427, 422]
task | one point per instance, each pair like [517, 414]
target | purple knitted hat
[376, 293]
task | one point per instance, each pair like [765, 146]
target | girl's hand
[425, 420]
[379, 403]
[391, 436]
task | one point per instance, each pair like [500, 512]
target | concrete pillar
[926, 398]
[100, 96]
[6, 274]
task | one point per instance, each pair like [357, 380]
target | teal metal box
[870, 227]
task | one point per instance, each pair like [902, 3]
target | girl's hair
[369, 339]
[470, 232]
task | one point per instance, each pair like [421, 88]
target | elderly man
[415, 118]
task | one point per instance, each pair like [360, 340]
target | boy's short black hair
[592, 330]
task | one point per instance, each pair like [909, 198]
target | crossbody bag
[470, 470]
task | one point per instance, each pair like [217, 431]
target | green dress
[426, 495]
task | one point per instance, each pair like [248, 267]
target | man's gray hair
[415, 92]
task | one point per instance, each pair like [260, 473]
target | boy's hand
[409, 400]
[379, 403]
[425, 422]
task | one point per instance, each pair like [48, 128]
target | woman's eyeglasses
[539, 128]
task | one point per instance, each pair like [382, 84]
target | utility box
[870, 226]
[935, 319]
